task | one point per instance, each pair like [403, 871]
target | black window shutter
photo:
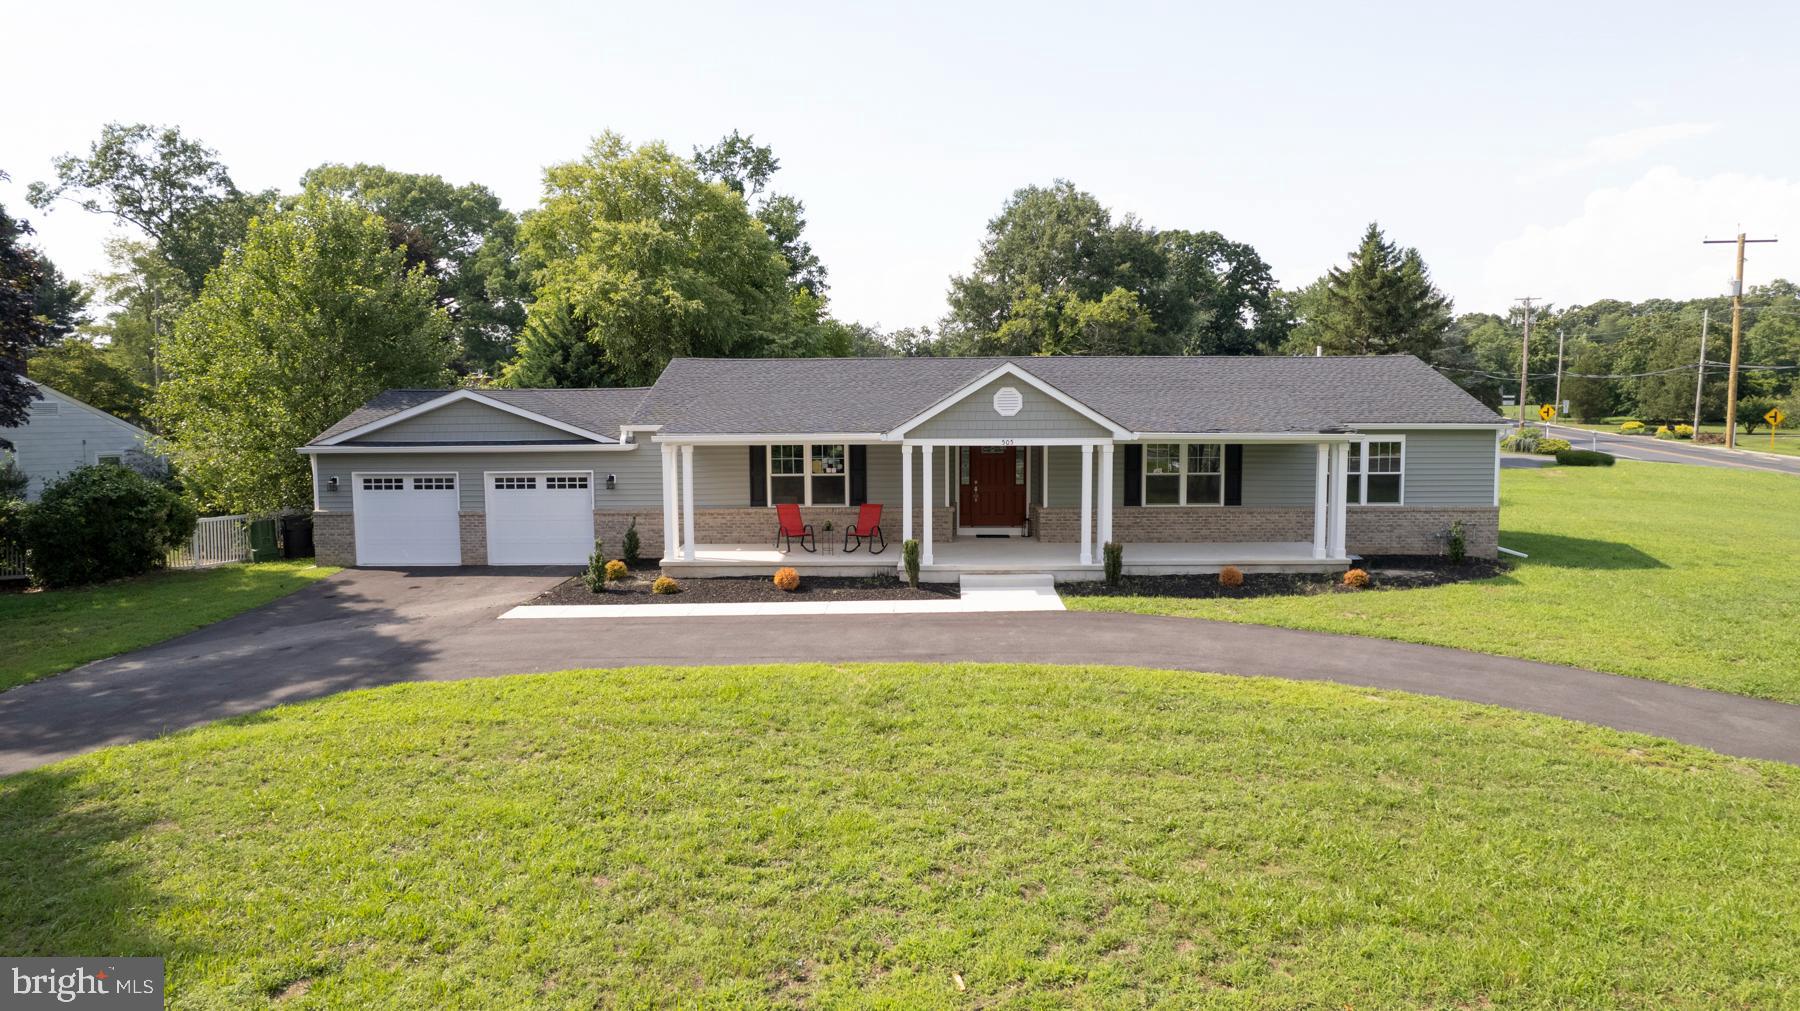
[759, 465]
[1234, 474]
[859, 475]
[1134, 475]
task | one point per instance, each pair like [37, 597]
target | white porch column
[1321, 498]
[1045, 502]
[906, 492]
[687, 502]
[671, 519]
[1340, 487]
[925, 539]
[1087, 504]
[1106, 493]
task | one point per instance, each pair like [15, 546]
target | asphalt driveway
[363, 628]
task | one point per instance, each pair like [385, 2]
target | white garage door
[540, 519]
[406, 519]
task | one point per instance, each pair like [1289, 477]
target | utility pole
[1524, 354]
[1700, 378]
[1737, 330]
[1559, 358]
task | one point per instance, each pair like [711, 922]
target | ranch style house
[993, 464]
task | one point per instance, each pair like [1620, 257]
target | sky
[1569, 152]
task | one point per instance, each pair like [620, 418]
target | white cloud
[1643, 240]
[1616, 149]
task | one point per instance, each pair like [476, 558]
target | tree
[172, 188]
[747, 167]
[1382, 302]
[554, 350]
[313, 315]
[1063, 323]
[466, 241]
[148, 296]
[659, 262]
[92, 374]
[1589, 399]
[1215, 296]
[25, 325]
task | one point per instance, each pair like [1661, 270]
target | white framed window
[442, 482]
[566, 482]
[1184, 474]
[1377, 472]
[809, 474]
[384, 484]
[525, 483]
[114, 459]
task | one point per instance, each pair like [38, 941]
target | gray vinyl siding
[721, 477]
[50, 445]
[465, 421]
[639, 473]
[1280, 474]
[1449, 467]
[1041, 416]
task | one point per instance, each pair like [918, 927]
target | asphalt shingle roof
[1146, 394]
[601, 411]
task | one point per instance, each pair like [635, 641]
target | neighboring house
[994, 464]
[62, 433]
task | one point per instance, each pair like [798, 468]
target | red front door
[993, 487]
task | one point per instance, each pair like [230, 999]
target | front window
[1375, 475]
[1178, 473]
[806, 474]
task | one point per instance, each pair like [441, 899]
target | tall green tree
[1590, 399]
[313, 315]
[148, 296]
[171, 187]
[91, 373]
[555, 350]
[466, 241]
[1381, 302]
[748, 167]
[659, 262]
[34, 313]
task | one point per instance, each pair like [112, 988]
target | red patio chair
[788, 525]
[867, 527]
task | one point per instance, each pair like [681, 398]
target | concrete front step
[1008, 581]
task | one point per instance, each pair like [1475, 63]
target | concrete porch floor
[989, 555]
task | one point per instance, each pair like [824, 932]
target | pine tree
[1382, 302]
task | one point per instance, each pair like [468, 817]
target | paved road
[1643, 447]
[364, 628]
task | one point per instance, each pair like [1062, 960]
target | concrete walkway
[365, 628]
[980, 595]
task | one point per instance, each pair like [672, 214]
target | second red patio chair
[788, 525]
[866, 528]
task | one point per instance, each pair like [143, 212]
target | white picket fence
[12, 564]
[217, 540]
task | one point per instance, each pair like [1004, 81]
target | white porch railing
[216, 540]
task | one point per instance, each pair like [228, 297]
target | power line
[1737, 330]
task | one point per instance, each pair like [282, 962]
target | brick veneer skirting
[610, 527]
[756, 525]
[1370, 530]
[473, 528]
[334, 538]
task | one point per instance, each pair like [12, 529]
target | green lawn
[55, 630]
[1661, 571]
[860, 836]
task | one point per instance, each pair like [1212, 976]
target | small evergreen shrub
[616, 570]
[1584, 458]
[1456, 543]
[594, 576]
[1231, 577]
[665, 584]
[909, 557]
[1356, 579]
[103, 522]
[1632, 428]
[787, 579]
[632, 546]
[1112, 562]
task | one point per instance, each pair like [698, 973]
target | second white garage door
[540, 518]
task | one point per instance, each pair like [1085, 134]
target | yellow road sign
[1547, 412]
[1774, 417]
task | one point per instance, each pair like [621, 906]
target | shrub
[1684, 431]
[1665, 432]
[12, 525]
[665, 584]
[787, 579]
[13, 481]
[616, 570]
[1584, 458]
[1231, 577]
[1456, 543]
[632, 546]
[1112, 562]
[1632, 428]
[909, 557]
[1356, 579]
[1551, 446]
[594, 577]
[1751, 411]
[1525, 440]
[103, 522]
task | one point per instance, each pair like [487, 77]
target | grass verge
[1660, 571]
[54, 630]
[862, 836]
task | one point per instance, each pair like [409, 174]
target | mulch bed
[1386, 572]
[745, 589]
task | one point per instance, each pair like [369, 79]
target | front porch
[989, 556]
